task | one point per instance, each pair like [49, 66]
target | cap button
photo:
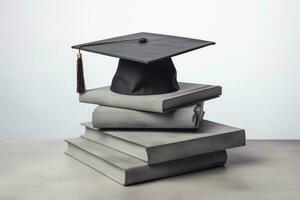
[143, 40]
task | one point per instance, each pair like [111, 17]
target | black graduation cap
[145, 66]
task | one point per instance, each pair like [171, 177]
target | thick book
[128, 170]
[188, 94]
[157, 146]
[185, 118]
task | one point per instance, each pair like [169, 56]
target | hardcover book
[156, 146]
[188, 94]
[128, 170]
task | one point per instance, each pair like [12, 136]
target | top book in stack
[146, 78]
[189, 93]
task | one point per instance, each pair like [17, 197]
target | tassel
[80, 77]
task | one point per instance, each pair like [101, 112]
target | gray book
[156, 146]
[128, 170]
[111, 117]
[188, 94]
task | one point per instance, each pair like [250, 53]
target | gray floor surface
[38, 169]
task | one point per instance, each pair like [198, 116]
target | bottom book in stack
[128, 170]
[134, 156]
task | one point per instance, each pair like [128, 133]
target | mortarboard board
[145, 66]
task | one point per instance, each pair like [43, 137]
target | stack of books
[137, 138]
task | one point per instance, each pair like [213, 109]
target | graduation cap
[145, 66]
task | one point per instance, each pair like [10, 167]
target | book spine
[176, 167]
[191, 98]
[195, 147]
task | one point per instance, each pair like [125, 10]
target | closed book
[157, 146]
[128, 170]
[111, 117]
[188, 94]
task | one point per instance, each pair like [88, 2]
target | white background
[256, 60]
